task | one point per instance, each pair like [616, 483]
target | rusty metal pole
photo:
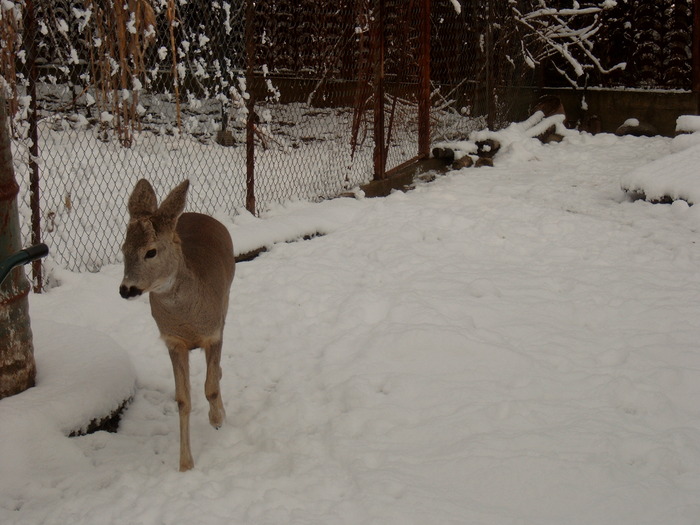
[250, 105]
[34, 189]
[696, 53]
[17, 366]
[490, 111]
[377, 42]
[424, 87]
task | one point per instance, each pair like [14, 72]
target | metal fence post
[250, 105]
[490, 111]
[424, 87]
[696, 54]
[377, 42]
[34, 189]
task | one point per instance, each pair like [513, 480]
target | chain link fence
[269, 101]
[255, 103]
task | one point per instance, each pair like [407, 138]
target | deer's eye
[150, 254]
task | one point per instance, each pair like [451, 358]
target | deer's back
[207, 247]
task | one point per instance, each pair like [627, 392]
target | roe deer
[186, 262]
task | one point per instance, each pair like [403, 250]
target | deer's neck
[176, 286]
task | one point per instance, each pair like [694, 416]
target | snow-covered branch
[567, 33]
[457, 6]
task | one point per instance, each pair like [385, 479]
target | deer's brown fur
[185, 261]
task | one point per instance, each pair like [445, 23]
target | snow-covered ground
[506, 345]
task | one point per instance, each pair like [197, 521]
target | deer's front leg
[217, 414]
[180, 358]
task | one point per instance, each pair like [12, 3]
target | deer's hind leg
[217, 414]
[180, 358]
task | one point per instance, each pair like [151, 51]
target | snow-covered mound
[82, 376]
[286, 223]
[688, 124]
[671, 178]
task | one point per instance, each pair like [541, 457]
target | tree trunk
[17, 368]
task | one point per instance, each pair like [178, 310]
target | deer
[185, 262]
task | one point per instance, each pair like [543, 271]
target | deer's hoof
[217, 418]
[186, 464]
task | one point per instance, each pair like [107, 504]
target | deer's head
[152, 251]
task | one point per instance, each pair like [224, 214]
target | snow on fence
[255, 102]
[268, 101]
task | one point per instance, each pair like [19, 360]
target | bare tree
[17, 367]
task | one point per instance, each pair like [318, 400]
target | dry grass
[118, 35]
[10, 26]
[117, 65]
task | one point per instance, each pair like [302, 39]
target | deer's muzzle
[129, 291]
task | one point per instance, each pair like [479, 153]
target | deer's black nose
[129, 291]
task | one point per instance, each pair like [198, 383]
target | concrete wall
[613, 107]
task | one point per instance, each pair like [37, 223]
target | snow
[85, 194]
[688, 123]
[673, 177]
[515, 140]
[82, 375]
[505, 345]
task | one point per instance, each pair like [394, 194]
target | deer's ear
[142, 202]
[174, 204]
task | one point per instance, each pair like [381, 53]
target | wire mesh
[124, 90]
[326, 92]
[160, 89]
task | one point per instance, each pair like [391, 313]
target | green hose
[22, 257]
